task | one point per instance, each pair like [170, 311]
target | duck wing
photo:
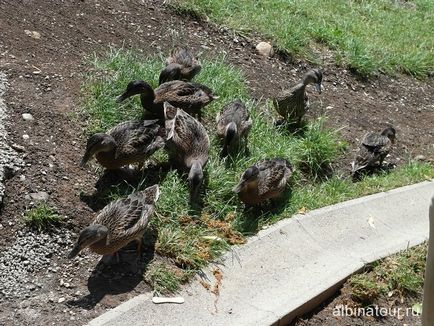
[273, 175]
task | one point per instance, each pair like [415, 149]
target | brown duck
[190, 97]
[119, 223]
[181, 65]
[266, 179]
[187, 144]
[292, 104]
[374, 149]
[233, 125]
[127, 143]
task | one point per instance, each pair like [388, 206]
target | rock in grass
[265, 49]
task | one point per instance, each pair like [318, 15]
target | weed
[42, 217]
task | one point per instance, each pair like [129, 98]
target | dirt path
[45, 74]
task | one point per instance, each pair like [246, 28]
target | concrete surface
[287, 269]
[8, 157]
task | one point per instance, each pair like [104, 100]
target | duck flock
[172, 120]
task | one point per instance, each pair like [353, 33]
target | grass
[401, 274]
[192, 235]
[165, 278]
[42, 217]
[368, 36]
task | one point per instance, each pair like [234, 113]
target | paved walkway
[289, 268]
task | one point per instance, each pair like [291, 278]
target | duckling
[233, 124]
[119, 223]
[187, 144]
[266, 179]
[190, 97]
[374, 148]
[128, 142]
[292, 104]
[181, 65]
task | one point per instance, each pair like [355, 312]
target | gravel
[9, 161]
[30, 253]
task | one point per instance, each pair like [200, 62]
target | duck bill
[318, 87]
[237, 188]
[122, 97]
[74, 252]
[85, 159]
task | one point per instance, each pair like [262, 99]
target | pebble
[28, 117]
[420, 158]
[39, 196]
[25, 136]
[18, 148]
[265, 49]
[61, 300]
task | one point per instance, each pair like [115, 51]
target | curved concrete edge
[291, 267]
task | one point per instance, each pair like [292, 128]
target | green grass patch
[164, 278]
[193, 235]
[42, 217]
[401, 274]
[388, 35]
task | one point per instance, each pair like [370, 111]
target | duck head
[390, 133]
[171, 72]
[195, 179]
[249, 176]
[97, 143]
[136, 87]
[313, 76]
[230, 138]
[89, 235]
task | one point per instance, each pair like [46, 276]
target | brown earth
[395, 310]
[45, 76]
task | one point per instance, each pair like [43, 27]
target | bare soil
[45, 75]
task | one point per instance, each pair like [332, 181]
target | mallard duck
[190, 97]
[128, 142]
[292, 104]
[181, 65]
[187, 144]
[373, 149]
[233, 124]
[119, 223]
[264, 180]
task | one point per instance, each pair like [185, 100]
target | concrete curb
[291, 267]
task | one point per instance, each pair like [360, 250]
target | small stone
[39, 196]
[33, 34]
[420, 158]
[265, 49]
[25, 136]
[28, 117]
[18, 148]
[61, 300]
[22, 177]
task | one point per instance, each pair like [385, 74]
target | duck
[180, 65]
[292, 104]
[127, 143]
[119, 223]
[188, 96]
[188, 145]
[266, 179]
[233, 125]
[373, 149]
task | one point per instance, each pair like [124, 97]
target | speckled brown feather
[187, 139]
[126, 220]
[269, 182]
[373, 149]
[135, 142]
